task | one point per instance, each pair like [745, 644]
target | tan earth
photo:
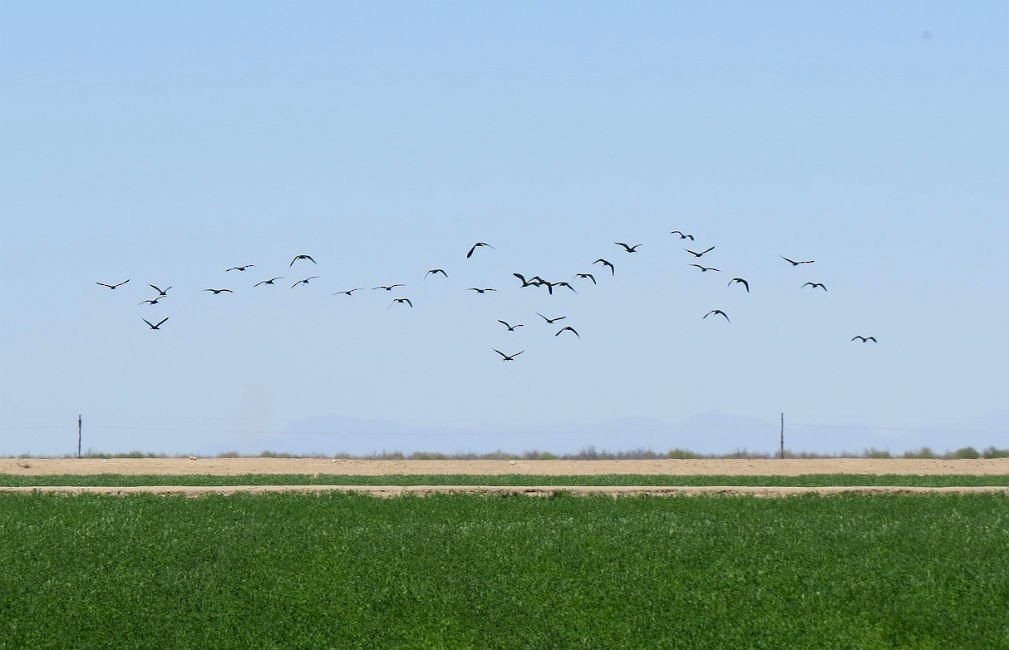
[313, 466]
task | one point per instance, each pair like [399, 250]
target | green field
[808, 480]
[353, 571]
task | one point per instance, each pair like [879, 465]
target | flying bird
[401, 301]
[696, 254]
[613, 271]
[507, 357]
[113, 286]
[815, 285]
[740, 281]
[217, 291]
[239, 268]
[161, 292]
[705, 269]
[305, 281]
[550, 321]
[540, 282]
[568, 329]
[564, 284]
[302, 257]
[863, 339]
[152, 325]
[435, 272]
[152, 301]
[388, 287]
[629, 249]
[587, 276]
[511, 328]
[794, 263]
[682, 235]
[525, 283]
[348, 292]
[477, 245]
[480, 290]
[270, 281]
[717, 312]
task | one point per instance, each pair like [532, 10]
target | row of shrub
[591, 453]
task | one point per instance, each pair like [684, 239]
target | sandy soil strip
[310, 466]
[387, 491]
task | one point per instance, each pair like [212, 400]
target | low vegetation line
[393, 491]
[807, 480]
[588, 453]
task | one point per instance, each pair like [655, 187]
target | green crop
[352, 571]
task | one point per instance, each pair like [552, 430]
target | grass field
[352, 571]
[809, 480]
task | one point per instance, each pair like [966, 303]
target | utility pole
[80, 423]
[781, 439]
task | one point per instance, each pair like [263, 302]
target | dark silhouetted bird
[525, 283]
[718, 312]
[152, 325]
[794, 263]
[568, 329]
[152, 301]
[480, 290]
[705, 269]
[550, 321]
[629, 249]
[270, 281]
[348, 292]
[239, 268]
[682, 235]
[477, 245]
[740, 281]
[508, 357]
[435, 272]
[540, 282]
[613, 271]
[388, 287]
[302, 257]
[863, 339]
[113, 286]
[161, 292]
[305, 281]
[815, 285]
[587, 276]
[564, 284]
[696, 254]
[401, 301]
[217, 291]
[511, 328]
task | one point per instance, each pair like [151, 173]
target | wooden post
[781, 439]
[80, 422]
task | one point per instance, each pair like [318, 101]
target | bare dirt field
[314, 466]
[310, 466]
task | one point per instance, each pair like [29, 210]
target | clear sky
[167, 141]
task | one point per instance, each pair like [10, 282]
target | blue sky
[166, 142]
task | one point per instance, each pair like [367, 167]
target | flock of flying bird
[533, 281]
